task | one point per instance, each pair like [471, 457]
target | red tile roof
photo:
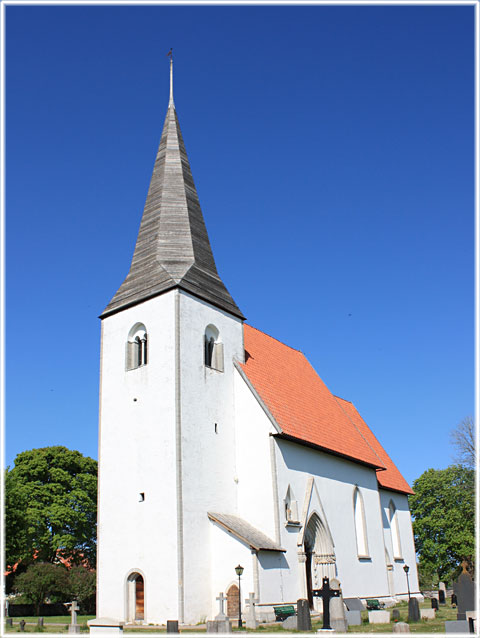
[305, 409]
[390, 478]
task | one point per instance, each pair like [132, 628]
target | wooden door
[232, 602]
[139, 599]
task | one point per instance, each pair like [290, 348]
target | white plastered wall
[137, 454]
[208, 456]
[408, 556]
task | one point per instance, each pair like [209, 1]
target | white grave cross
[221, 600]
[251, 618]
[73, 609]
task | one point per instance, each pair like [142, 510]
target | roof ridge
[274, 338]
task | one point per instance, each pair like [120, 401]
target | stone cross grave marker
[221, 601]
[326, 593]
[73, 627]
[251, 617]
[465, 591]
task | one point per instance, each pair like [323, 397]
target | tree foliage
[443, 508]
[83, 587]
[51, 507]
[463, 441]
[42, 581]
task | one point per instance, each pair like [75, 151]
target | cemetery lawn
[446, 612]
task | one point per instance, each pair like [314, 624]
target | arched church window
[137, 347]
[360, 524]
[213, 348]
[395, 531]
[291, 507]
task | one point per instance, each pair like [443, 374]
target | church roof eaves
[247, 533]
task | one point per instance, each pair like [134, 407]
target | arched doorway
[320, 555]
[232, 601]
[135, 597]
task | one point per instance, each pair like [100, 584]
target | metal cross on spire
[170, 55]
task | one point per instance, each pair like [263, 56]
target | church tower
[166, 442]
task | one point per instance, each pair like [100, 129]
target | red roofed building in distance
[220, 445]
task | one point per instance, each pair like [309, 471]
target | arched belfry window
[213, 348]
[360, 524]
[395, 531]
[137, 347]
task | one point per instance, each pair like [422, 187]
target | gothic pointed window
[137, 347]
[213, 348]
[394, 529]
[360, 524]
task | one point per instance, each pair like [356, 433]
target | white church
[221, 446]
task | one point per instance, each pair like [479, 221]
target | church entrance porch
[135, 597]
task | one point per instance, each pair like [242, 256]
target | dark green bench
[284, 611]
[374, 604]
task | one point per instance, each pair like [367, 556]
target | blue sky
[332, 150]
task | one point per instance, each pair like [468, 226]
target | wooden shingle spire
[172, 249]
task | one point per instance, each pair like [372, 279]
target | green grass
[58, 624]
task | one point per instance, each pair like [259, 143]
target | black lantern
[239, 572]
[406, 569]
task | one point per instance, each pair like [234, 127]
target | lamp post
[406, 569]
[239, 572]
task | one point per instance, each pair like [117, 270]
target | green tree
[51, 507]
[42, 581]
[83, 587]
[443, 508]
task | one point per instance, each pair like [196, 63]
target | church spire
[170, 101]
[172, 249]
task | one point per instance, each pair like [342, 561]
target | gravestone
[326, 593]
[453, 600]
[290, 623]
[442, 593]
[465, 591]
[338, 619]
[456, 627]
[212, 627]
[395, 614]
[22, 625]
[354, 604]
[413, 610]
[427, 614]
[401, 628]
[9, 622]
[354, 617]
[250, 611]
[172, 626]
[304, 622]
[377, 616]
[40, 622]
[73, 627]
[435, 604]
[221, 601]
